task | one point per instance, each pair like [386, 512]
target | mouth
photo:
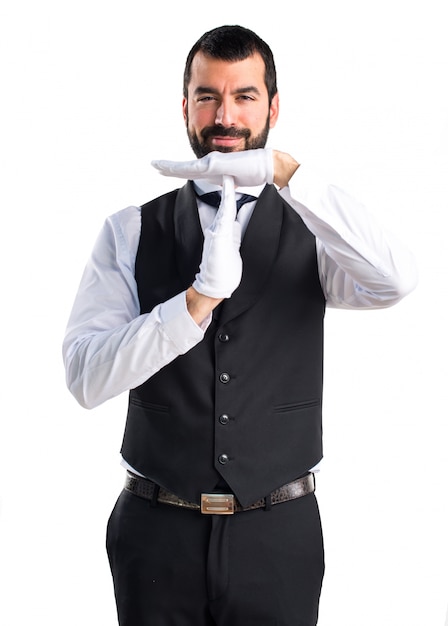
[229, 142]
[221, 137]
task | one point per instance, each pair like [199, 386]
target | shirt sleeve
[109, 347]
[360, 264]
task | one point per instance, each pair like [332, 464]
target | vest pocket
[150, 406]
[296, 406]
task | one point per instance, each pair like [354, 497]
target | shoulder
[161, 201]
[124, 226]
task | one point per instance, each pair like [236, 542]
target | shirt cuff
[178, 324]
[306, 181]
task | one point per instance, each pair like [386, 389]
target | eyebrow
[249, 89]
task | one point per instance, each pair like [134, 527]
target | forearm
[101, 364]
[109, 347]
[361, 264]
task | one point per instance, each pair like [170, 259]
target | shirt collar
[204, 186]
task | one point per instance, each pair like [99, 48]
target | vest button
[224, 377]
[223, 459]
[224, 419]
[223, 337]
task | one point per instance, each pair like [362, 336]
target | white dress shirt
[110, 347]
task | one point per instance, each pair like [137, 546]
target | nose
[225, 114]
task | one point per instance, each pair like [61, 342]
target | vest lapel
[258, 251]
[188, 234]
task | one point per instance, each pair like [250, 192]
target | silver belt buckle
[217, 503]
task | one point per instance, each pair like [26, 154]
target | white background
[91, 92]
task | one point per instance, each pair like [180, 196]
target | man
[213, 318]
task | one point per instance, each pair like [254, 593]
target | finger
[181, 169]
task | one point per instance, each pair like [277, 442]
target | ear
[185, 109]
[274, 111]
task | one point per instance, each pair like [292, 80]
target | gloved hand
[247, 168]
[221, 266]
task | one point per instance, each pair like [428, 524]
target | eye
[206, 98]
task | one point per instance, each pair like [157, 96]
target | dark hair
[233, 43]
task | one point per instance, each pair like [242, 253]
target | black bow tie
[214, 199]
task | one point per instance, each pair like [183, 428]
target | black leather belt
[217, 503]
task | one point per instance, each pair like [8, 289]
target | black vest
[245, 403]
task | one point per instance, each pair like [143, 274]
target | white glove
[221, 266]
[247, 168]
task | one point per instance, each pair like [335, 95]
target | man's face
[227, 108]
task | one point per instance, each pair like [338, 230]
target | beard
[201, 147]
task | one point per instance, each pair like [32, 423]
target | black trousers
[177, 567]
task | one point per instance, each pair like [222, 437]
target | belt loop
[268, 503]
[155, 495]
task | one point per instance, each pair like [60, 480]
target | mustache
[222, 131]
